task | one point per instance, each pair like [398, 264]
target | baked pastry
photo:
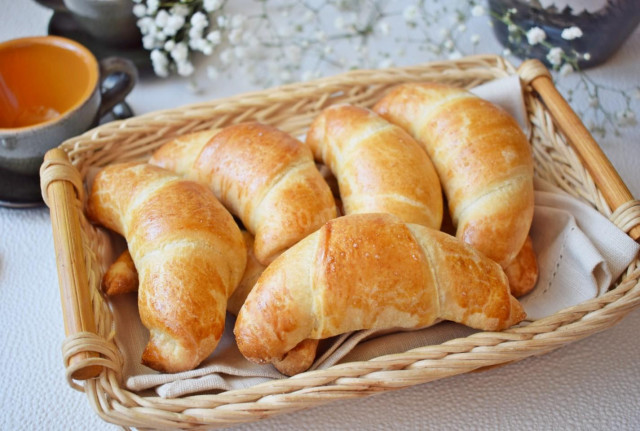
[483, 160]
[265, 177]
[187, 249]
[371, 271]
[122, 277]
[378, 166]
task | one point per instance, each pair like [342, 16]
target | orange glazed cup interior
[42, 78]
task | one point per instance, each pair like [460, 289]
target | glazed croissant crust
[371, 271]
[379, 167]
[484, 163]
[188, 252]
[262, 175]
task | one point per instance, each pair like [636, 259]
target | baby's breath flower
[571, 33]
[586, 56]
[235, 36]
[237, 21]
[566, 69]
[410, 14]
[475, 39]
[199, 20]
[211, 5]
[212, 73]
[180, 52]
[162, 18]
[477, 10]
[384, 28]
[215, 37]
[152, 6]
[226, 56]
[149, 42]
[180, 10]
[160, 63]
[308, 17]
[185, 68]
[195, 33]
[139, 10]
[169, 45]
[173, 25]
[555, 56]
[239, 52]
[205, 47]
[145, 24]
[536, 35]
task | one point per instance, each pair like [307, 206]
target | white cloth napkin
[580, 253]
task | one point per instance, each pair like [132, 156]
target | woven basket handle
[605, 176]
[62, 191]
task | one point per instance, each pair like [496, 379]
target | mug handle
[118, 76]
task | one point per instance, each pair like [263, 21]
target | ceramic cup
[111, 22]
[51, 89]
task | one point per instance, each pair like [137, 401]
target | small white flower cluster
[564, 63]
[171, 30]
[280, 41]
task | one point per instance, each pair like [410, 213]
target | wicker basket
[93, 360]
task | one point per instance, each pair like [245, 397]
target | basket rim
[480, 350]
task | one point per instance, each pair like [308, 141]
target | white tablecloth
[591, 384]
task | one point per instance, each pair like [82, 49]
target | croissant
[188, 252]
[378, 166]
[483, 160]
[122, 277]
[371, 271]
[263, 175]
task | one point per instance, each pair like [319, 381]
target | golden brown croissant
[483, 160]
[378, 166]
[371, 271]
[122, 277]
[263, 175]
[188, 252]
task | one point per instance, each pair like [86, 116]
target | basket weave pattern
[292, 108]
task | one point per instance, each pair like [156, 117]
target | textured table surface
[590, 384]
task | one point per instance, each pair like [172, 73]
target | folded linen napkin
[580, 253]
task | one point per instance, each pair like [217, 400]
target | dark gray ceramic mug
[111, 22]
[51, 89]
